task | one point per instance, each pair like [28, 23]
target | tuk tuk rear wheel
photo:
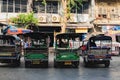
[76, 66]
[15, 63]
[18, 62]
[55, 64]
[107, 64]
[86, 64]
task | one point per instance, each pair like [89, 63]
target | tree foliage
[44, 2]
[25, 20]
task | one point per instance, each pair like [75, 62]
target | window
[52, 7]
[81, 8]
[41, 7]
[17, 6]
[38, 7]
[85, 7]
[14, 6]
[35, 6]
[23, 5]
[10, 5]
[4, 6]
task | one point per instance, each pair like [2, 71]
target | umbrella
[13, 30]
[18, 31]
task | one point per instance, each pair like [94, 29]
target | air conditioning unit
[83, 17]
[73, 18]
[42, 18]
[55, 18]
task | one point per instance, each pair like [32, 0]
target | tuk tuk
[67, 49]
[36, 49]
[97, 50]
[10, 50]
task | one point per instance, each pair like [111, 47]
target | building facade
[49, 15]
[106, 14]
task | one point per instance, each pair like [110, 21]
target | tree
[67, 6]
[25, 20]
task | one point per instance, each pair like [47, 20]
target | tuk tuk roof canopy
[35, 35]
[6, 37]
[100, 37]
[69, 35]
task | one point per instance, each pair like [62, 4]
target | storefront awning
[74, 26]
[49, 29]
[3, 24]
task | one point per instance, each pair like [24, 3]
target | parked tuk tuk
[36, 49]
[9, 50]
[97, 50]
[66, 49]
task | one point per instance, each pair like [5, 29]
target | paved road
[82, 73]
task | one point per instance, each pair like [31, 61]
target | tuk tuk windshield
[7, 43]
[99, 45]
[36, 40]
[68, 41]
[102, 44]
[100, 41]
[38, 43]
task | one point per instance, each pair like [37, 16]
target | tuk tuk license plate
[5, 54]
[68, 63]
[36, 62]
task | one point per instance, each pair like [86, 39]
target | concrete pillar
[93, 8]
[64, 18]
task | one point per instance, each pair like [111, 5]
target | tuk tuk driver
[92, 44]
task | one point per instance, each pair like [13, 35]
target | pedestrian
[26, 44]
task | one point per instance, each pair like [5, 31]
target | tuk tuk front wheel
[76, 64]
[55, 64]
[27, 64]
[46, 64]
[107, 64]
[15, 63]
[86, 63]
